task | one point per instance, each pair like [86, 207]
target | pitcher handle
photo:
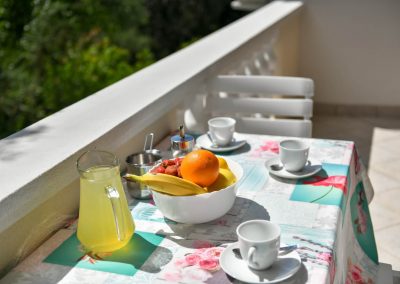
[116, 204]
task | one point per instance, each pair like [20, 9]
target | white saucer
[275, 167]
[284, 267]
[204, 142]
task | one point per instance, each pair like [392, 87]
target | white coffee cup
[259, 242]
[293, 154]
[221, 130]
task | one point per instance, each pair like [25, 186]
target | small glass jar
[181, 145]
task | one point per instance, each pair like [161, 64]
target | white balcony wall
[351, 49]
[40, 188]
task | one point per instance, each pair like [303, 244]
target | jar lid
[184, 143]
[185, 138]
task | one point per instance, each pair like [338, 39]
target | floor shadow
[359, 129]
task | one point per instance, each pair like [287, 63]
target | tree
[175, 23]
[61, 51]
[56, 52]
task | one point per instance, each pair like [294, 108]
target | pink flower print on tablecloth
[339, 182]
[326, 256]
[197, 266]
[210, 264]
[270, 146]
[357, 162]
[355, 274]
[214, 252]
[268, 149]
[361, 220]
[192, 259]
[362, 217]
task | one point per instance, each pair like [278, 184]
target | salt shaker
[182, 143]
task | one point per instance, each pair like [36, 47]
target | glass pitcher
[105, 223]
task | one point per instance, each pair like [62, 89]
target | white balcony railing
[39, 181]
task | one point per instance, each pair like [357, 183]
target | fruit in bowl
[185, 201]
[197, 173]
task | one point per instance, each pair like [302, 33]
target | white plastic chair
[271, 105]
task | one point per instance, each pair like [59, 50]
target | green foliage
[144, 58]
[56, 52]
[86, 68]
[174, 22]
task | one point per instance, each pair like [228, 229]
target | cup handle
[116, 205]
[250, 256]
[211, 138]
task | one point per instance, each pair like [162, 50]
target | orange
[200, 167]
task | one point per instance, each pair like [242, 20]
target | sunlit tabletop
[325, 215]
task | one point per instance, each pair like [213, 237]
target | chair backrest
[272, 105]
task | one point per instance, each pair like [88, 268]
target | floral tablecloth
[326, 215]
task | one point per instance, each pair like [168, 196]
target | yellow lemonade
[105, 223]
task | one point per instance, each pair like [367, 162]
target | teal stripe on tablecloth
[125, 261]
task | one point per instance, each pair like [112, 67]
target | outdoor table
[326, 215]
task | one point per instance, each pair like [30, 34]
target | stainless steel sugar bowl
[139, 164]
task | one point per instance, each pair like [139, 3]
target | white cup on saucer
[293, 154]
[221, 130]
[259, 242]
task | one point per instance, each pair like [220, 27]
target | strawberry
[167, 163]
[178, 161]
[172, 170]
[158, 170]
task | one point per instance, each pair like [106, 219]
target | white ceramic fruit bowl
[202, 208]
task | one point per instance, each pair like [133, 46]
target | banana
[225, 179]
[222, 163]
[168, 184]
